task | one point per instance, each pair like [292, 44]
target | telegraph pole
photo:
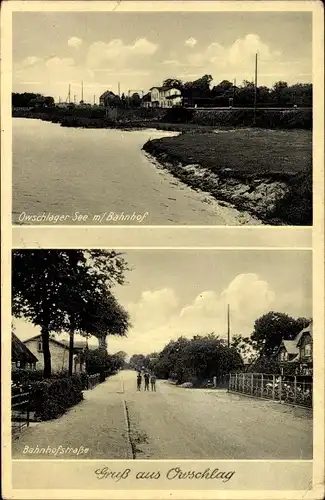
[82, 91]
[228, 325]
[119, 89]
[255, 90]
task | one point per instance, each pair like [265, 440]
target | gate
[20, 407]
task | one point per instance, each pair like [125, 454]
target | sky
[54, 49]
[170, 293]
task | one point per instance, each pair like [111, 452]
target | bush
[178, 115]
[26, 376]
[50, 398]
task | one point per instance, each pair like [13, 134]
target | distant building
[165, 97]
[106, 98]
[21, 356]
[59, 350]
[298, 351]
[146, 100]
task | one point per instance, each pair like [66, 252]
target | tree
[49, 101]
[104, 316]
[174, 83]
[137, 361]
[273, 327]
[135, 100]
[246, 347]
[99, 361]
[197, 359]
[53, 288]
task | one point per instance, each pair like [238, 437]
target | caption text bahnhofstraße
[101, 218]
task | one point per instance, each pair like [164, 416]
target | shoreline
[274, 198]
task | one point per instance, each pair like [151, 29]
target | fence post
[236, 382]
[273, 388]
[262, 385]
[280, 388]
[252, 384]
[295, 390]
[28, 406]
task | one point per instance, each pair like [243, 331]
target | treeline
[194, 360]
[201, 358]
[30, 99]
[200, 92]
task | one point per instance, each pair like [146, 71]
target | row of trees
[69, 291]
[30, 99]
[201, 92]
[204, 357]
[195, 360]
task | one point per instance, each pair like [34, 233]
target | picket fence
[291, 390]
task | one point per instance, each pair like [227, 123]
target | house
[107, 97]
[298, 351]
[165, 97]
[21, 356]
[59, 350]
[146, 100]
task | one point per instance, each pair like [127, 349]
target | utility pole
[255, 90]
[119, 89]
[74, 98]
[82, 91]
[228, 325]
[69, 94]
[94, 100]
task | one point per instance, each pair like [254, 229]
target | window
[307, 351]
[283, 355]
[18, 364]
[40, 346]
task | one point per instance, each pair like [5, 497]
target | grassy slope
[251, 154]
[248, 153]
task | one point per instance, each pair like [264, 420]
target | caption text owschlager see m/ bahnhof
[101, 218]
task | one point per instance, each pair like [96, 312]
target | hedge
[26, 377]
[50, 398]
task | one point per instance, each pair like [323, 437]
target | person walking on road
[146, 381]
[139, 380]
[153, 382]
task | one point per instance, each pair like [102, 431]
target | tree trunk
[102, 343]
[46, 351]
[71, 346]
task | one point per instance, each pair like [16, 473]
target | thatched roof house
[21, 356]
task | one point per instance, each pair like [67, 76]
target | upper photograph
[162, 118]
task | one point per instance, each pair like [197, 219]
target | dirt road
[115, 421]
[178, 423]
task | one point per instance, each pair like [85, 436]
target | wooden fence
[20, 407]
[291, 390]
[93, 380]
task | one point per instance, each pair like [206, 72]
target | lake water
[103, 176]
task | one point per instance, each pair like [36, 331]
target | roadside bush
[51, 398]
[178, 115]
[26, 376]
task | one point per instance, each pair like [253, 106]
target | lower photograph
[162, 354]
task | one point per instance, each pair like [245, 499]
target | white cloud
[54, 73]
[74, 42]
[159, 316]
[191, 42]
[237, 58]
[118, 54]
